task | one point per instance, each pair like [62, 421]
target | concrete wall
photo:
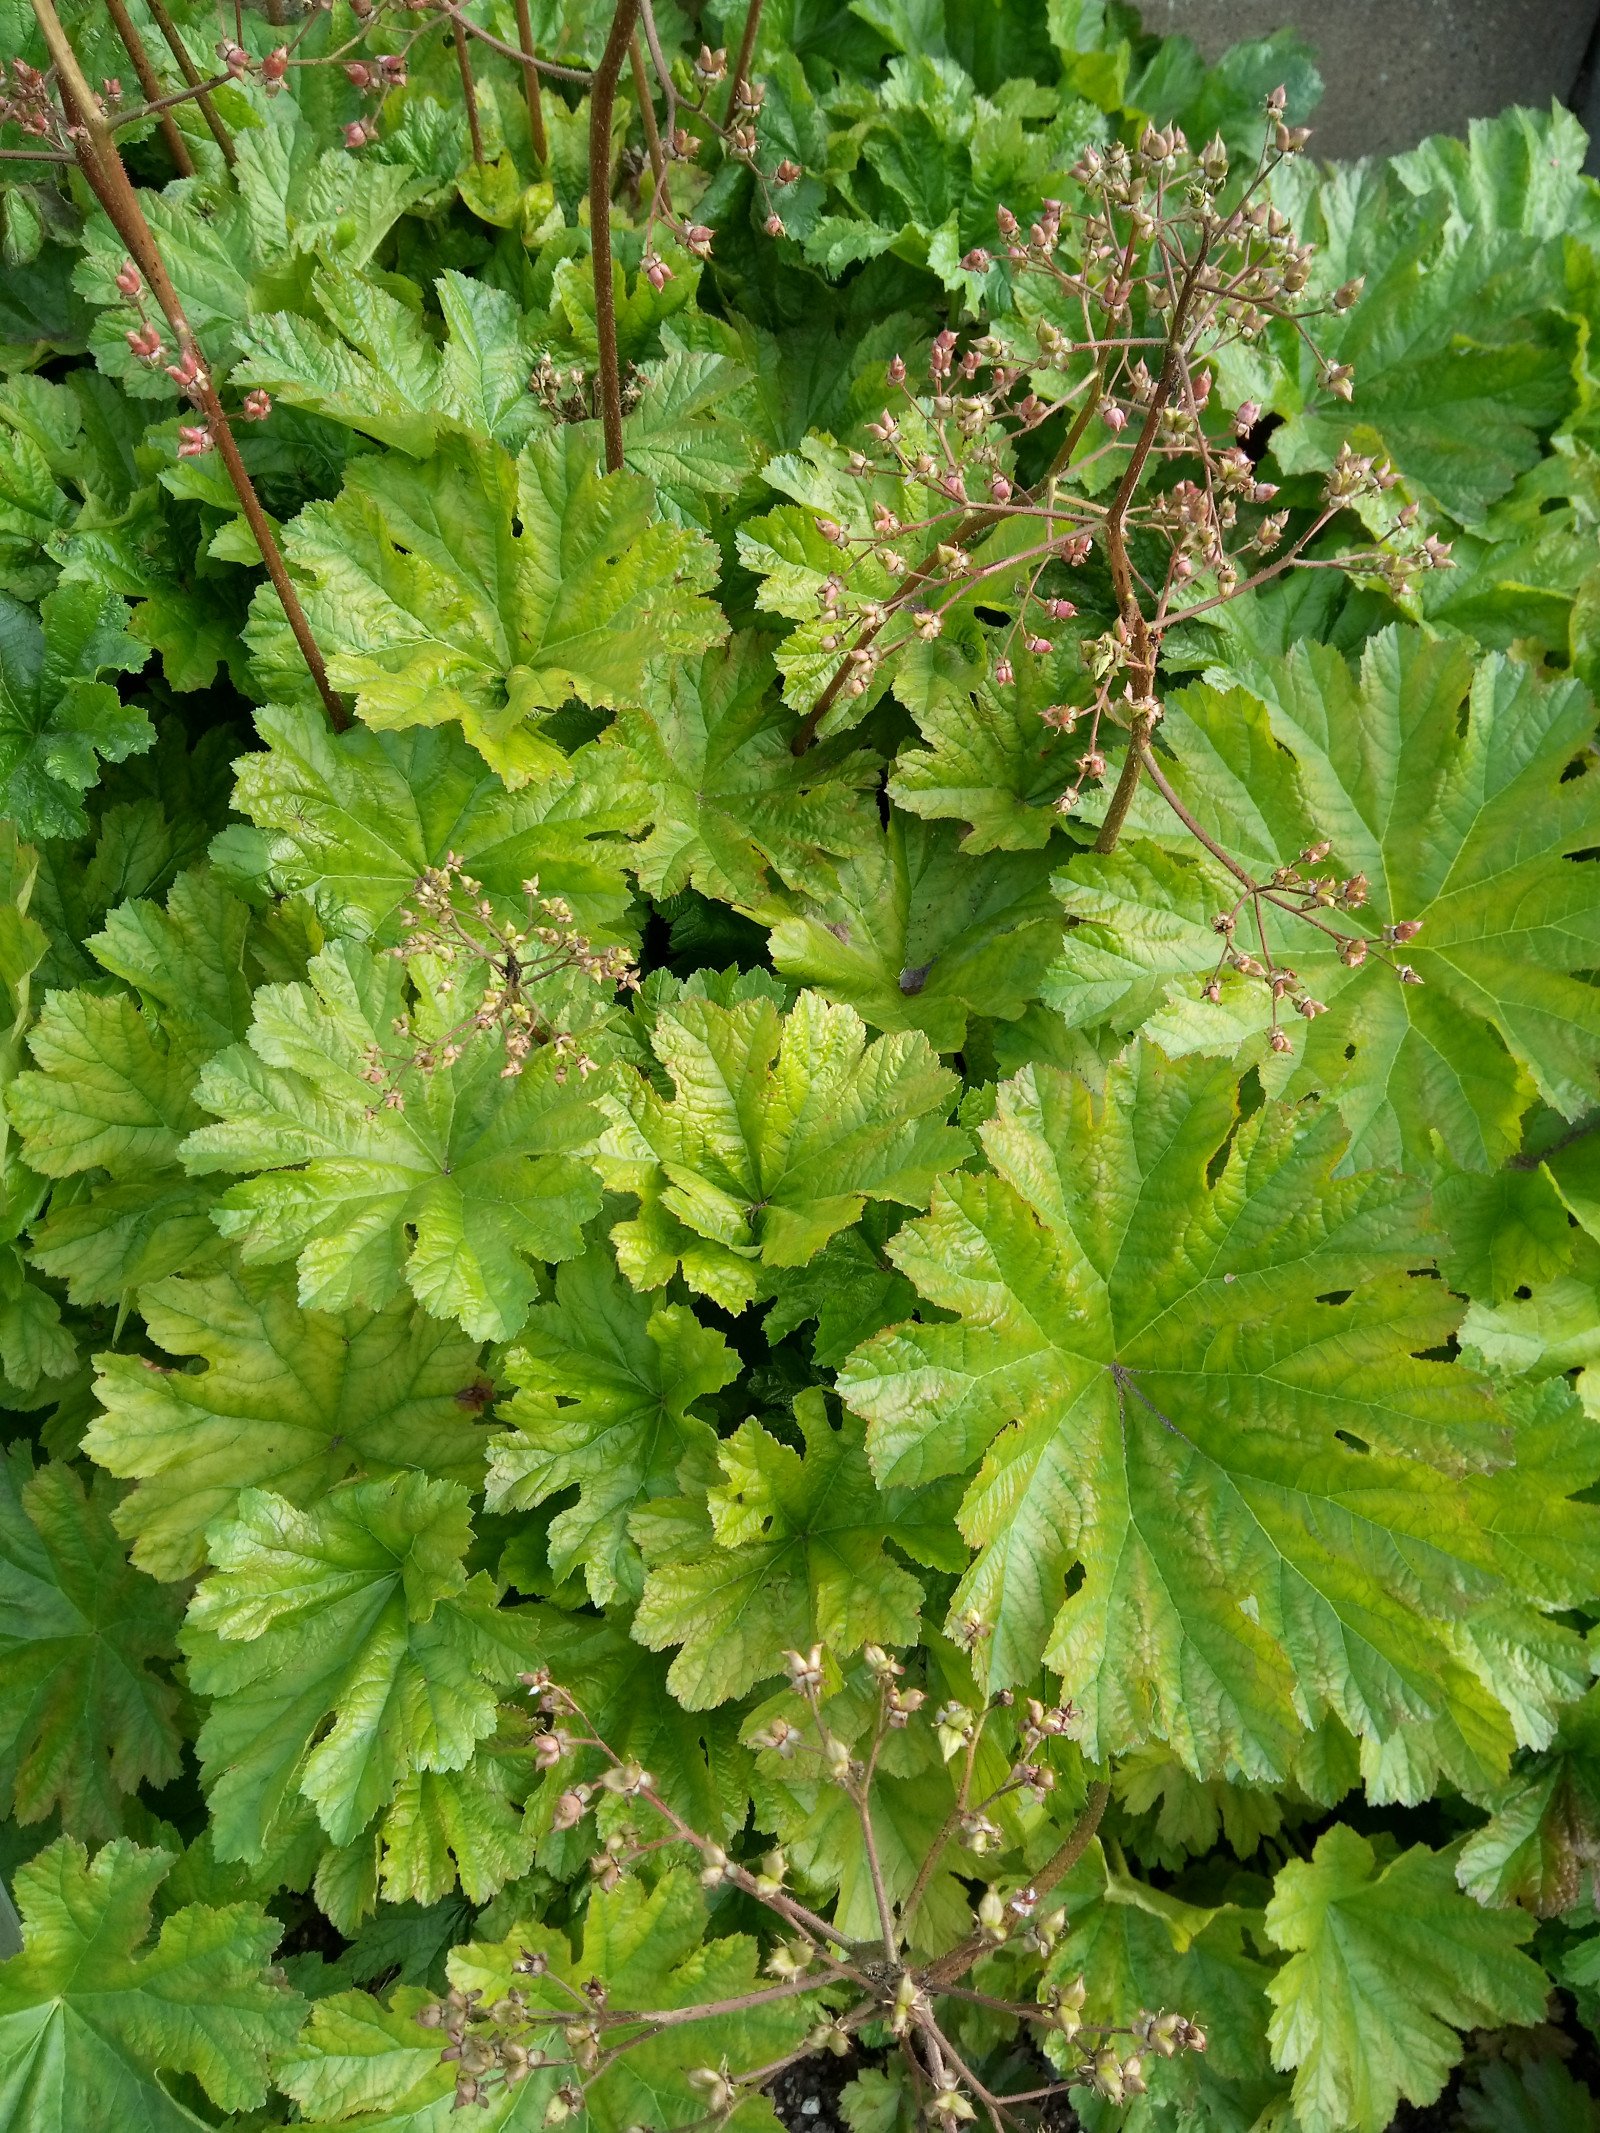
[1398, 69]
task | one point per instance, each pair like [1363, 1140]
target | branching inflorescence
[884, 1985]
[1132, 300]
[453, 928]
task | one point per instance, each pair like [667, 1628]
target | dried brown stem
[191, 74]
[150, 83]
[602, 103]
[107, 176]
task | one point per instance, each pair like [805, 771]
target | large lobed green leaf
[1462, 789]
[344, 1649]
[779, 1130]
[92, 2014]
[607, 1383]
[1387, 1961]
[1224, 1490]
[290, 1399]
[452, 1194]
[487, 590]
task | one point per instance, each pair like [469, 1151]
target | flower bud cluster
[1292, 889]
[1146, 277]
[26, 102]
[452, 924]
[491, 2047]
[574, 2028]
[569, 393]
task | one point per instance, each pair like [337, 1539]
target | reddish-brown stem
[469, 88]
[935, 1851]
[103, 168]
[602, 103]
[975, 522]
[1158, 779]
[1080, 422]
[191, 74]
[580, 75]
[169, 102]
[530, 85]
[747, 52]
[150, 83]
[1142, 657]
[647, 112]
[960, 1959]
[1127, 784]
[1076, 1842]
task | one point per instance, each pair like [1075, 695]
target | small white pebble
[811, 2106]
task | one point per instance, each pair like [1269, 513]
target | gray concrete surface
[1398, 69]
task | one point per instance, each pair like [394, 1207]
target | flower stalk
[107, 177]
[602, 104]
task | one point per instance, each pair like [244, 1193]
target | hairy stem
[530, 85]
[150, 83]
[602, 102]
[1076, 1842]
[103, 167]
[1127, 784]
[191, 74]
